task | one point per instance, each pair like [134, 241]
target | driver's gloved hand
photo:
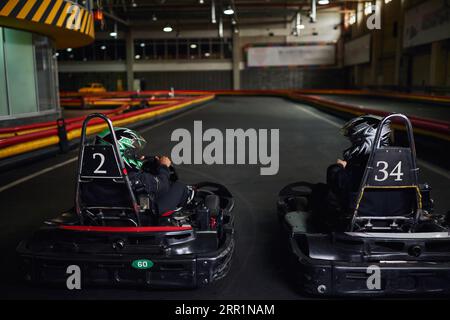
[150, 165]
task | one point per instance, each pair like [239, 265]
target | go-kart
[365, 253]
[122, 241]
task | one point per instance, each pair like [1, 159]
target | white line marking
[434, 168]
[442, 172]
[37, 174]
[56, 166]
[312, 113]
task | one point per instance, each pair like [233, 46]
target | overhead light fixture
[201, 1]
[233, 21]
[352, 18]
[313, 14]
[133, 4]
[168, 28]
[103, 47]
[207, 54]
[114, 32]
[298, 22]
[57, 54]
[368, 8]
[193, 46]
[213, 11]
[142, 44]
[137, 57]
[228, 11]
[69, 49]
[154, 18]
[323, 2]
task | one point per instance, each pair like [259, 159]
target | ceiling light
[193, 46]
[168, 28]
[69, 49]
[103, 47]
[154, 18]
[233, 22]
[207, 54]
[137, 57]
[113, 34]
[201, 1]
[228, 11]
[142, 44]
[323, 2]
[133, 4]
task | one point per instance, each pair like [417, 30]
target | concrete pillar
[236, 61]
[399, 45]
[130, 60]
[438, 65]
[377, 47]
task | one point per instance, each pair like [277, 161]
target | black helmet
[361, 132]
[131, 145]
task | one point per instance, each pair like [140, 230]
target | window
[4, 111]
[27, 64]
[368, 8]
[101, 50]
[183, 49]
[45, 70]
[19, 61]
[352, 18]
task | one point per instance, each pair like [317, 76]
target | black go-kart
[122, 243]
[385, 253]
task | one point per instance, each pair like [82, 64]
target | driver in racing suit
[148, 174]
[344, 177]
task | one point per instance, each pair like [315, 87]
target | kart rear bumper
[178, 271]
[341, 278]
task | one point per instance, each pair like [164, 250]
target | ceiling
[191, 12]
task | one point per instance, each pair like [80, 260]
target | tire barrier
[49, 134]
[23, 139]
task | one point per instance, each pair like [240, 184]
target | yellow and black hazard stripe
[48, 15]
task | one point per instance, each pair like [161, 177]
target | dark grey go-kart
[124, 244]
[367, 254]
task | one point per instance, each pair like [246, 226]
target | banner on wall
[426, 23]
[305, 55]
[357, 51]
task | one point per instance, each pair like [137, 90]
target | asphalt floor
[309, 142]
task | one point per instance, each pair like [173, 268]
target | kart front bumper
[182, 271]
[341, 278]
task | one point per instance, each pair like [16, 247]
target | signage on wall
[304, 55]
[426, 23]
[357, 51]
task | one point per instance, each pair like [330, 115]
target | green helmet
[131, 145]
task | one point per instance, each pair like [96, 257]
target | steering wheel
[151, 165]
[173, 176]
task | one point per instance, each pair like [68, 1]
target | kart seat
[103, 193]
[389, 198]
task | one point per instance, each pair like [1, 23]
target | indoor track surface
[410, 108]
[309, 142]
